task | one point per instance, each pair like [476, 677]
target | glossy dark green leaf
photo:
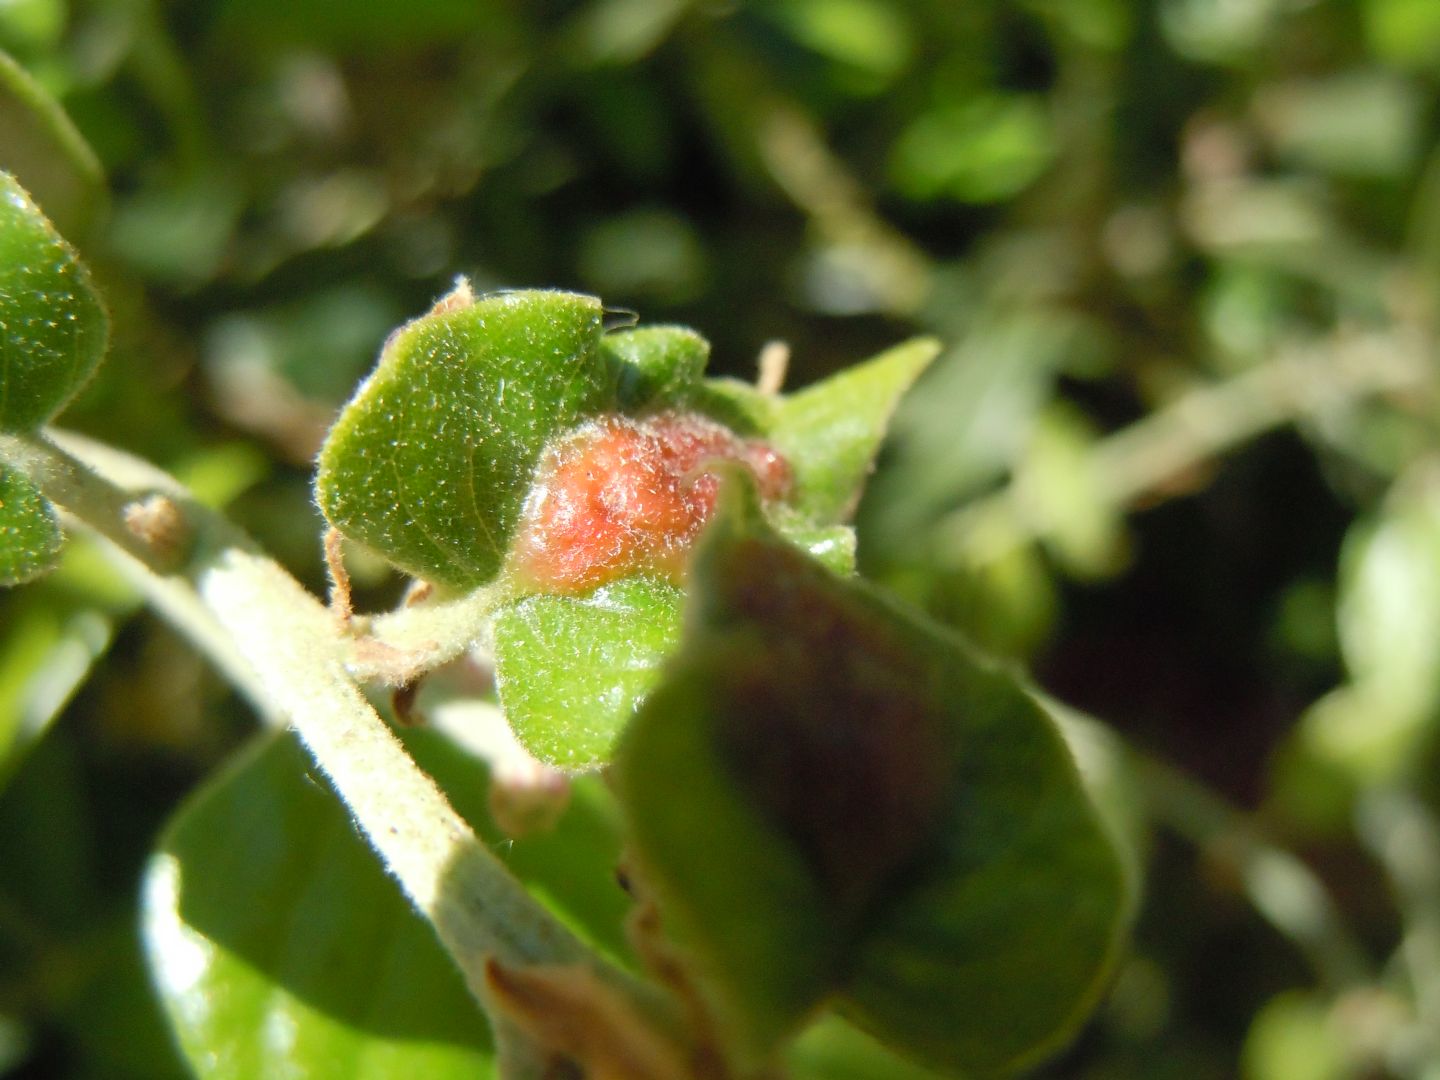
[52, 325]
[571, 669]
[911, 830]
[280, 947]
[40, 145]
[830, 432]
[30, 538]
[431, 461]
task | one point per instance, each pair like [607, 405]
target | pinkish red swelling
[620, 495]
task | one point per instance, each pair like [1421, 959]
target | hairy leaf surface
[52, 326]
[431, 461]
[30, 537]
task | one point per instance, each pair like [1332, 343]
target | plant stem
[1139, 461]
[93, 484]
[283, 649]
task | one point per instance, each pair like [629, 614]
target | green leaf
[660, 365]
[30, 538]
[39, 144]
[431, 461]
[1063, 498]
[830, 432]
[980, 149]
[52, 325]
[738, 405]
[44, 659]
[1388, 617]
[280, 948]
[831, 1049]
[833, 546]
[571, 669]
[913, 836]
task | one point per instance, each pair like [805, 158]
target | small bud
[621, 495]
[158, 522]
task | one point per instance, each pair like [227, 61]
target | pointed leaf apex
[832, 430]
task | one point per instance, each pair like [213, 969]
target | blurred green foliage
[1180, 455]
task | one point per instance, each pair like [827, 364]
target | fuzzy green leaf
[431, 461]
[280, 948]
[830, 432]
[30, 537]
[913, 835]
[570, 669]
[738, 405]
[52, 325]
[660, 365]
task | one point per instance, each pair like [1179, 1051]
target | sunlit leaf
[1356, 124]
[43, 661]
[52, 325]
[913, 835]
[660, 365]
[430, 462]
[1063, 499]
[972, 423]
[31, 24]
[1404, 32]
[647, 253]
[571, 669]
[830, 432]
[873, 39]
[280, 947]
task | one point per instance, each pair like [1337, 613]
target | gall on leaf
[621, 495]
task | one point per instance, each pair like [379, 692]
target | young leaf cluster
[431, 463]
